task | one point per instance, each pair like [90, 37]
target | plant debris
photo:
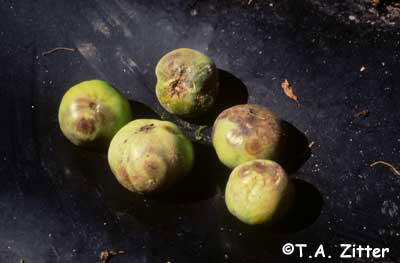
[58, 49]
[197, 134]
[386, 164]
[249, 2]
[363, 113]
[287, 89]
[362, 68]
[107, 255]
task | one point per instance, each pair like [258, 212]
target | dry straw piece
[394, 170]
[287, 89]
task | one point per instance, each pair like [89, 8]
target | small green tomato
[247, 132]
[149, 155]
[187, 82]
[91, 112]
[259, 192]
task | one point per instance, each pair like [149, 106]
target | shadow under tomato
[295, 148]
[202, 182]
[305, 210]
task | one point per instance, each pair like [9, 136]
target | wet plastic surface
[59, 203]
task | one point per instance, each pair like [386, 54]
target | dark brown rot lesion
[92, 105]
[87, 115]
[178, 85]
[255, 123]
[85, 126]
[151, 166]
[177, 70]
[187, 82]
[254, 146]
[147, 127]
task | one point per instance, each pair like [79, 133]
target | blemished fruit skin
[247, 132]
[259, 192]
[147, 156]
[187, 82]
[92, 112]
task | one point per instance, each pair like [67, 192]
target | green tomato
[247, 132]
[187, 82]
[91, 112]
[149, 155]
[259, 192]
